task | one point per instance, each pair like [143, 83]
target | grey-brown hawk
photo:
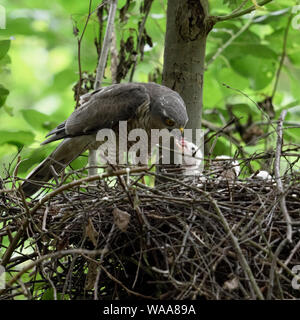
[143, 105]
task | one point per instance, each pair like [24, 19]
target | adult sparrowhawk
[143, 105]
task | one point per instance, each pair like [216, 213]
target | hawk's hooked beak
[181, 130]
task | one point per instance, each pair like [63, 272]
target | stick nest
[187, 238]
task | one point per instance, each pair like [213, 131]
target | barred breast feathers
[141, 119]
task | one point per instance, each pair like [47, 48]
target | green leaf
[292, 135]
[131, 6]
[3, 95]
[49, 295]
[260, 72]
[8, 110]
[244, 49]
[32, 157]
[231, 78]
[293, 113]
[222, 146]
[295, 56]
[4, 61]
[37, 119]
[242, 110]
[79, 163]
[231, 3]
[64, 79]
[4, 47]
[18, 138]
[212, 91]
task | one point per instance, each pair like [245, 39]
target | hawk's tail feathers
[68, 150]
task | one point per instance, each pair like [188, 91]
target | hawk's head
[167, 108]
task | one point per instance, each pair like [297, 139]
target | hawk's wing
[104, 109]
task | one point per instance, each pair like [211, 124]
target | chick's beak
[180, 144]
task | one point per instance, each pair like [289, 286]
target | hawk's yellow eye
[169, 122]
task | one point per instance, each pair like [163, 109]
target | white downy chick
[192, 157]
[262, 175]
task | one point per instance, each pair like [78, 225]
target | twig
[113, 57]
[219, 130]
[240, 7]
[13, 245]
[123, 286]
[283, 55]
[106, 44]
[104, 251]
[265, 114]
[295, 249]
[100, 71]
[216, 19]
[50, 195]
[238, 249]
[229, 42]
[79, 40]
[141, 30]
[82, 181]
[277, 176]
[49, 256]
[273, 266]
[45, 219]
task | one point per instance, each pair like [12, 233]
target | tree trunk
[184, 55]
